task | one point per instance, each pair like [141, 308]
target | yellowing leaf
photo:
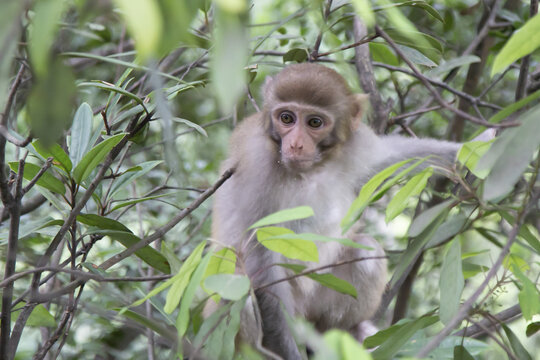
[523, 42]
[144, 22]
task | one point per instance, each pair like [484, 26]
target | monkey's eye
[286, 118]
[315, 122]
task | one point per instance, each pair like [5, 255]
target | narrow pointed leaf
[451, 283]
[299, 249]
[81, 131]
[297, 213]
[47, 180]
[94, 157]
[56, 152]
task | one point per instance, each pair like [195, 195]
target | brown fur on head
[318, 85]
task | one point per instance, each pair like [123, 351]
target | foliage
[114, 119]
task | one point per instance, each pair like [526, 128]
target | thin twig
[14, 207]
[319, 268]
[12, 139]
[39, 174]
[350, 46]
[524, 67]
[11, 95]
[159, 233]
[529, 199]
[502, 317]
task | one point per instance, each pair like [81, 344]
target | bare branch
[319, 268]
[40, 173]
[167, 227]
[431, 89]
[364, 68]
[463, 312]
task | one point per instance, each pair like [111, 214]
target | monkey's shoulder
[250, 145]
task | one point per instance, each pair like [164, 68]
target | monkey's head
[309, 110]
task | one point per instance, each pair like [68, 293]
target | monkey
[308, 146]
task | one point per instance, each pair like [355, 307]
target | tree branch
[167, 227]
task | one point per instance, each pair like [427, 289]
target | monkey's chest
[330, 203]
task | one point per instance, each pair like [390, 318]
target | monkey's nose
[297, 146]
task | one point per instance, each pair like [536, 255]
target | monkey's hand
[486, 135]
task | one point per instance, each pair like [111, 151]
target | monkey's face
[301, 131]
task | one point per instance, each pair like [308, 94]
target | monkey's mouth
[299, 164]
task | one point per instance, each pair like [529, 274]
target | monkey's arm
[401, 148]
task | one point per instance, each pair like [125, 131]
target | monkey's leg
[277, 336]
[331, 309]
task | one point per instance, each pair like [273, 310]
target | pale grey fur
[262, 185]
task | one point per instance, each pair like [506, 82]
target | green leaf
[532, 328]
[522, 42]
[513, 107]
[322, 238]
[219, 331]
[299, 249]
[380, 52]
[412, 188]
[422, 221]
[469, 269]
[367, 194]
[102, 222]
[364, 10]
[451, 283]
[452, 64]
[461, 353]
[49, 103]
[446, 348]
[345, 346]
[297, 55]
[149, 323]
[471, 152]
[139, 200]
[417, 4]
[180, 281]
[174, 262]
[40, 316]
[326, 279]
[182, 320]
[147, 254]
[222, 262]
[132, 174]
[415, 247]
[45, 22]
[426, 44]
[529, 296]
[519, 349]
[112, 88]
[47, 180]
[526, 232]
[396, 340]
[229, 56]
[191, 124]
[232, 6]
[94, 157]
[81, 131]
[416, 56]
[228, 286]
[510, 155]
[382, 335]
[145, 24]
[130, 65]
[449, 228]
[56, 152]
[297, 213]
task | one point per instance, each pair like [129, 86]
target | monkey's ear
[360, 103]
[268, 88]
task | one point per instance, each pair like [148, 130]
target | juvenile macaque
[309, 147]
